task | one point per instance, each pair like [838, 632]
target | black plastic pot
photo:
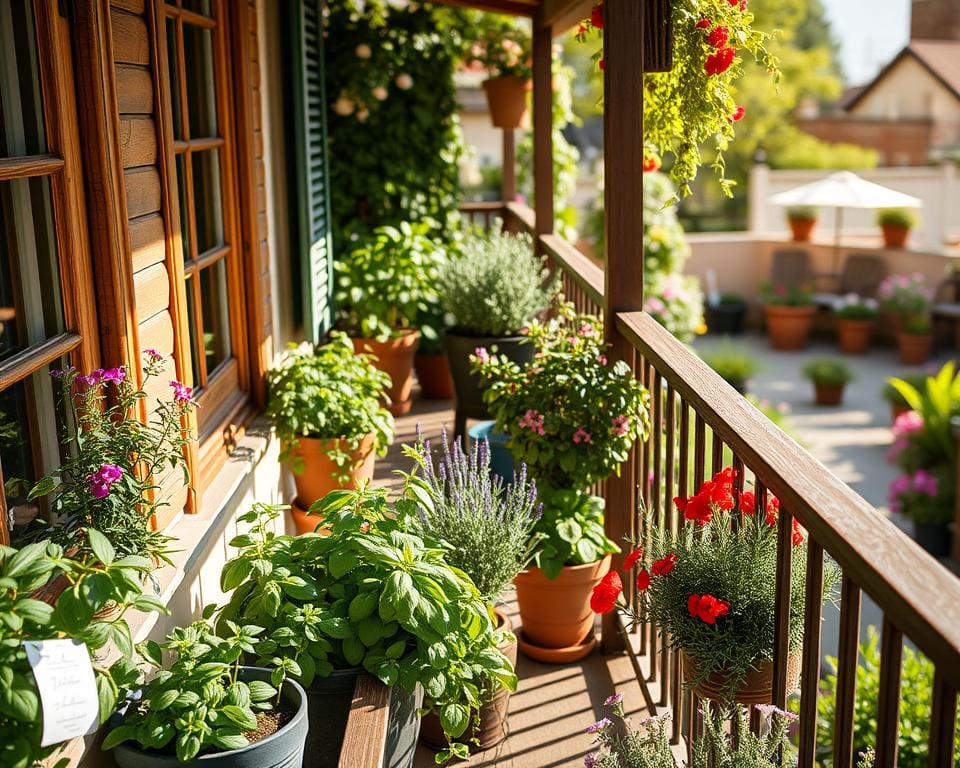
[467, 385]
[330, 699]
[283, 749]
[728, 318]
[933, 537]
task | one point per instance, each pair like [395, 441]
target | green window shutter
[309, 177]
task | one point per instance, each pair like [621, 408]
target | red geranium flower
[697, 508]
[632, 558]
[596, 16]
[664, 565]
[703, 24]
[739, 113]
[643, 580]
[707, 608]
[719, 62]
[650, 164]
[798, 533]
[605, 594]
[748, 502]
[718, 37]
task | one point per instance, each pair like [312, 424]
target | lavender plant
[486, 524]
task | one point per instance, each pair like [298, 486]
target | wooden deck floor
[554, 704]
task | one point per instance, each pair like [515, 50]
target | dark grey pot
[933, 537]
[466, 384]
[284, 749]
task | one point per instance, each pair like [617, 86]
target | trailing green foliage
[198, 702]
[329, 392]
[828, 370]
[370, 594]
[102, 584]
[495, 286]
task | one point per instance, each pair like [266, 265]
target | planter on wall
[395, 358]
[507, 100]
[802, 229]
[854, 336]
[788, 327]
[895, 236]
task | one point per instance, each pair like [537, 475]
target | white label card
[68, 690]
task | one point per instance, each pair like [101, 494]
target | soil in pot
[490, 727]
[280, 742]
[914, 349]
[556, 613]
[854, 336]
[894, 236]
[828, 394]
[757, 687]
[507, 99]
[933, 537]
[788, 328]
[395, 358]
[433, 374]
[320, 474]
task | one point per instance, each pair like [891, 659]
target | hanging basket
[507, 99]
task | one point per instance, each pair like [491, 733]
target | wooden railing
[701, 424]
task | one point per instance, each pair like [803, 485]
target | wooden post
[623, 203]
[508, 181]
[543, 127]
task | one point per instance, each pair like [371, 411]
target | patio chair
[946, 308]
[862, 274]
[790, 268]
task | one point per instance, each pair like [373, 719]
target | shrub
[897, 217]
[496, 286]
[732, 365]
[829, 371]
[803, 213]
[908, 297]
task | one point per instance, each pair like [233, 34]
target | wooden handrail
[919, 596]
[521, 213]
[365, 738]
[578, 267]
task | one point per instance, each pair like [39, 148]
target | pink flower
[99, 482]
[926, 483]
[181, 392]
[907, 423]
[621, 425]
[116, 375]
[582, 436]
[586, 329]
[91, 379]
[602, 359]
[654, 305]
[481, 354]
[533, 420]
[613, 700]
[152, 355]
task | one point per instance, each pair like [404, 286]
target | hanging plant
[693, 105]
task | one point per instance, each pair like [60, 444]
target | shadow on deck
[553, 704]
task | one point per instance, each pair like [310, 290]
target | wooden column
[623, 202]
[543, 127]
[508, 181]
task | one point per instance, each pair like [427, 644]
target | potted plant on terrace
[486, 527]
[708, 589]
[908, 298]
[374, 596]
[385, 288]
[896, 224]
[493, 290]
[802, 220]
[572, 417]
[788, 312]
[327, 406]
[856, 318]
[728, 316]
[205, 709]
[898, 403]
[829, 377]
[733, 366]
[114, 462]
[502, 50]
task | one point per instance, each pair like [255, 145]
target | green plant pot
[282, 749]
[501, 459]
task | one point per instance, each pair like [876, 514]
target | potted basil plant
[829, 376]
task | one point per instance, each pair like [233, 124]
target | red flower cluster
[664, 565]
[631, 559]
[714, 493]
[719, 62]
[718, 37]
[707, 608]
[596, 16]
[739, 113]
[605, 594]
[741, 3]
[748, 506]
[703, 24]
[650, 164]
[643, 580]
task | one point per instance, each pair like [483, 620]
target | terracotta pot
[395, 358]
[894, 236]
[757, 687]
[305, 522]
[556, 613]
[898, 410]
[914, 349]
[828, 394]
[507, 99]
[802, 229]
[788, 327]
[854, 336]
[490, 728]
[433, 373]
[319, 475]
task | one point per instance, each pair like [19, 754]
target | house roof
[941, 58]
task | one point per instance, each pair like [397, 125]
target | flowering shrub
[854, 307]
[501, 46]
[908, 297]
[676, 302]
[693, 104]
[710, 587]
[110, 478]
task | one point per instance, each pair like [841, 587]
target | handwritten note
[68, 690]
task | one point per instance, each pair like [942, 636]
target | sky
[871, 33]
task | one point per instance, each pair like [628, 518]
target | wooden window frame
[61, 165]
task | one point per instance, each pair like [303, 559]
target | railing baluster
[656, 439]
[944, 722]
[781, 611]
[888, 715]
[667, 678]
[810, 672]
[699, 452]
[679, 694]
[848, 653]
[716, 459]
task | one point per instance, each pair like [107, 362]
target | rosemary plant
[485, 524]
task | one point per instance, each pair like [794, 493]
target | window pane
[192, 319]
[198, 6]
[182, 193]
[216, 317]
[201, 92]
[21, 107]
[31, 309]
[176, 108]
[207, 202]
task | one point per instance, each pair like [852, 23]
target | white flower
[363, 114]
[404, 81]
[379, 93]
[363, 51]
[344, 105]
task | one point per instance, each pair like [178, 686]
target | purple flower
[116, 375]
[926, 483]
[591, 760]
[181, 392]
[56, 373]
[612, 701]
[152, 355]
[91, 379]
[99, 482]
[601, 725]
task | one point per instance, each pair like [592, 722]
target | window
[44, 310]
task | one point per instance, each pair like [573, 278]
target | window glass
[201, 88]
[207, 202]
[184, 210]
[21, 105]
[216, 317]
[173, 59]
[198, 6]
[192, 321]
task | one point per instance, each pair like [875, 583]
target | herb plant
[732, 365]
[829, 371]
[496, 286]
[897, 217]
[114, 461]
[198, 703]
[485, 525]
[893, 396]
[570, 531]
[803, 213]
[787, 296]
[371, 594]
[387, 284]
[329, 392]
[854, 307]
[92, 587]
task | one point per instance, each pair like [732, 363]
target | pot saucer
[568, 655]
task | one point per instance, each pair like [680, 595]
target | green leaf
[34, 611]
[106, 696]
[353, 651]
[19, 700]
[454, 718]
[228, 739]
[22, 563]
[260, 690]
[102, 548]
[119, 735]
[242, 718]
[342, 562]
[234, 573]
[164, 700]
[363, 605]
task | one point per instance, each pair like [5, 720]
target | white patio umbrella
[845, 190]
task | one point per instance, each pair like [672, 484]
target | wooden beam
[508, 181]
[364, 741]
[514, 7]
[543, 128]
[623, 203]
[563, 14]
